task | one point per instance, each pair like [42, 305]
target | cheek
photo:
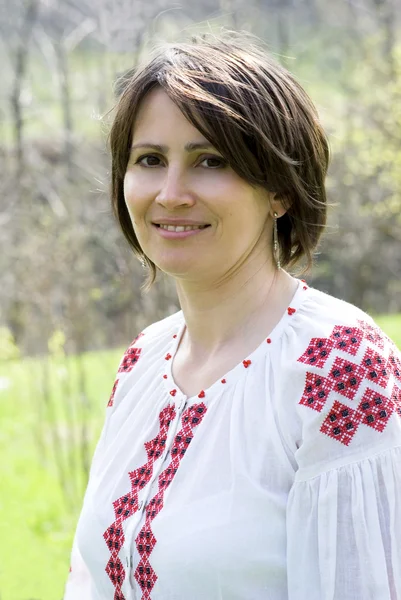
[134, 201]
[128, 190]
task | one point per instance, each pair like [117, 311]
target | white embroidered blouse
[281, 481]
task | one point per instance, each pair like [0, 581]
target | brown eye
[151, 157]
[212, 160]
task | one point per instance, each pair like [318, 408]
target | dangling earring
[276, 250]
[143, 262]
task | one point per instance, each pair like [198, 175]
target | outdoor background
[70, 295]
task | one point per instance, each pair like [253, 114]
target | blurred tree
[366, 177]
[63, 261]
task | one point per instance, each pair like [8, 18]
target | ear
[279, 204]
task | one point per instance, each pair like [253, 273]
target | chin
[183, 269]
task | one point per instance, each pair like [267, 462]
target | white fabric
[275, 498]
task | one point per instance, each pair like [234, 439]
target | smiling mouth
[180, 228]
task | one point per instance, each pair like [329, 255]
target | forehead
[158, 115]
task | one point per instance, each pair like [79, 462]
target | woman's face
[175, 176]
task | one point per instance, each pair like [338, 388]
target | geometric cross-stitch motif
[376, 367]
[375, 410]
[129, 360]
[130, 357]
[394, 364]
[317, 389]
[145, 540]
[317, 352]
[346, 377]
[127, 363]
[396, 399]
[113, 391]
[347, 339]
[372, 334]
[341, 423]
[125, 506]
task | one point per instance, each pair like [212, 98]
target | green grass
[36, 524]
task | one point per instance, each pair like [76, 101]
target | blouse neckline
[238, 370]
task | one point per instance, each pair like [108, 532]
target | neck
[217, 314]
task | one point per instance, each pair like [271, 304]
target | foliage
[8, 348]
[360, 253]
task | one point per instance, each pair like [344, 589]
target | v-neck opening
[233, 375]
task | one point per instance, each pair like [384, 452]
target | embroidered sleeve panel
[350, 403]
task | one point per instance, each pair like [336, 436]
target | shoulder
[320, 311]
[343, 381]
[328, 324]
[148, 346]
[324, 324]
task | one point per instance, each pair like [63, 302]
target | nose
[174, 190]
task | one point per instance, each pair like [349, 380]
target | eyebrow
[190, 147]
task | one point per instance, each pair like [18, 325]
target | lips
[177, 224]
[177, 232]
[181, 227]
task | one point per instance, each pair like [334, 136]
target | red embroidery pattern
[371, 333]
[345, 377]
[395, 364]
[130, 357]
[113, 391]
[377, 367]
[343, 338]
[145, 541]
[127, 505]
[396, 398]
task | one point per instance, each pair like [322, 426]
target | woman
[252, 442]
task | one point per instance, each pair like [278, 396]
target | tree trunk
[21, 61]
[62, 62]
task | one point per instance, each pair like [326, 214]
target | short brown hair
[254, 113]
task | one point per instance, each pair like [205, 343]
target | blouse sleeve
[344, 508]
[344, 532]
